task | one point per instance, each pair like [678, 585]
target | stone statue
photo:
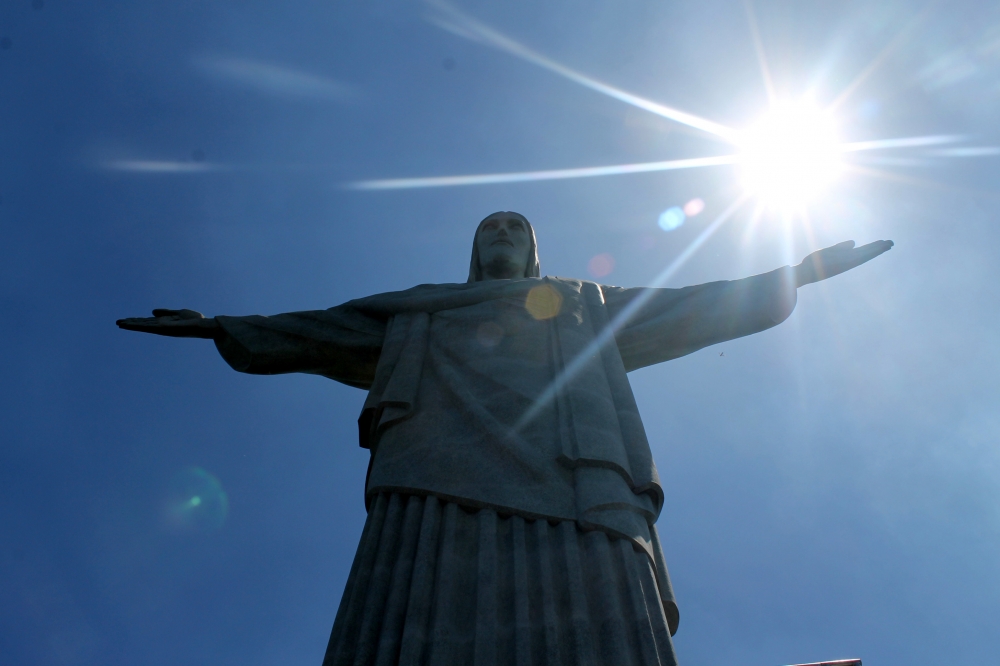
[511, 492]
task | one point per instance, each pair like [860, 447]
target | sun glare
[790, 154]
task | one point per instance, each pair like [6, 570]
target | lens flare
[601, 265]
[672, 218]
[543, 302]
[693, 207]
[790, 154]
[195, 502]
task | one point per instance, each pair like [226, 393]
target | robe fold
[511, 395]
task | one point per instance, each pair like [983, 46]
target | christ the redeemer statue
[512, 496]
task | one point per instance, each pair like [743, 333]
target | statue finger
[872, 250]
[866, 253]
[164, 312]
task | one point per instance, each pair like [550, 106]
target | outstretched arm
[340, 343]
[174, 323]
[656, 325]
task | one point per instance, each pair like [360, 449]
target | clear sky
[832, 485]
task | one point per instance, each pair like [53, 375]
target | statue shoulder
[428, 298]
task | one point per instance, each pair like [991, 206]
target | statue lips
[502, 240]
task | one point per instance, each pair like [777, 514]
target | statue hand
[175, 323]
[836, 259]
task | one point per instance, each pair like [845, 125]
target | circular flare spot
[693, 207]
[195, 502]
[601, 265]
[543, 302]
[672, 218]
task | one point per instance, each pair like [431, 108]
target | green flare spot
[195, 501]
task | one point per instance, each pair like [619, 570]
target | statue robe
[511, 396]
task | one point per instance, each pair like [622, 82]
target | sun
[790, 154]
[785, 159]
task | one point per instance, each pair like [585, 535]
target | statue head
[504, 248]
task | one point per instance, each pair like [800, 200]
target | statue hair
[532, 270]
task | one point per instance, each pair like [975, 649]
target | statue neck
[502, 270]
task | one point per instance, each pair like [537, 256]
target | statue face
[503, 243]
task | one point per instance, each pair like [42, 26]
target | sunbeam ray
[922, 183]
[892, 160]
[904, 142]
[807, 227]
[751, 226]
[758, 47]
[620, 169]
[607, 334]
[459, 23]
[970, 151]
[529, 176]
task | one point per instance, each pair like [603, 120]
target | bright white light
[790, 154]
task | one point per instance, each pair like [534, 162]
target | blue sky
[832, 485]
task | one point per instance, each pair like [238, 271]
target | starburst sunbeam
[463, 25]
[968, 151]
[758, 47]
[903, 142]
[530, 176]
[623, 169]
[789, 155]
